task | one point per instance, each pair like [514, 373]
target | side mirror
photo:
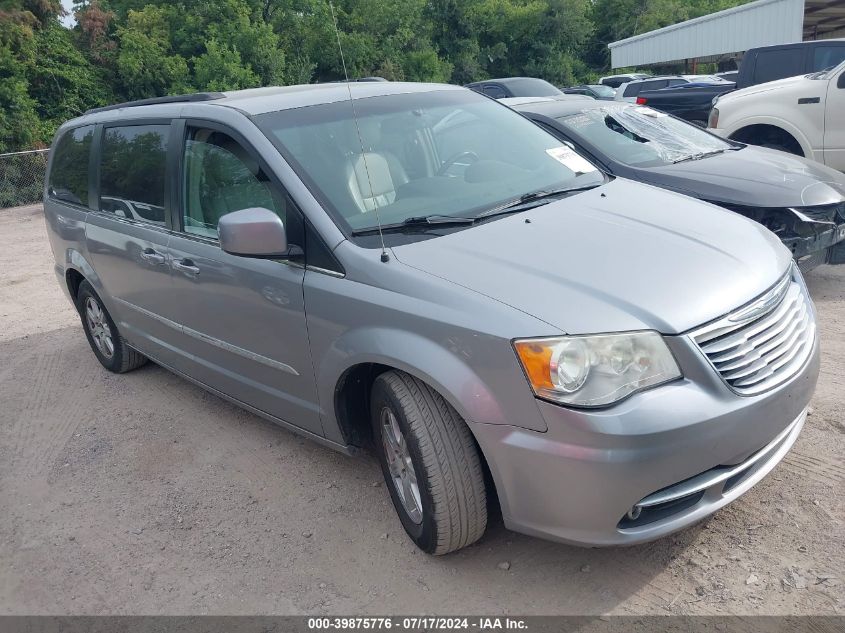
[255, 232]
[841, 83]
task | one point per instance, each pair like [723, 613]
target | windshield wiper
[526, 201]
[702, 155]
[531, 200]
[426, 221]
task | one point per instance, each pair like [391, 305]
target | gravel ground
[142, 494]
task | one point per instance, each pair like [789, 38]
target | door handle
[186, 266]
[149, 255]
[808, 100]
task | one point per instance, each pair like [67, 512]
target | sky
[68, 19]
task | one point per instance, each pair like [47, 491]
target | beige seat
[386, 173]
[370, 181]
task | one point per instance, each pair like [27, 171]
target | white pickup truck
[804, 115]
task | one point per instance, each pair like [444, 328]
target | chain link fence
[22, 177]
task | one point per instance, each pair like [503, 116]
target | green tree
[146, 64]
[221, 68]
[62, 81]
[129, 49]
[18, 116]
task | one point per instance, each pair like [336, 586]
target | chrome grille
[765, 343]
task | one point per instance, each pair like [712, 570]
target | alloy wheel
[99, 327]
[401, 467]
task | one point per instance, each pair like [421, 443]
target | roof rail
[196, 96]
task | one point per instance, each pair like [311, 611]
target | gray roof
[263, 100]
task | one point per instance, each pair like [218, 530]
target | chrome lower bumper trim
[719, 474]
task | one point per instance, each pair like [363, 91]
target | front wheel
[430, 463]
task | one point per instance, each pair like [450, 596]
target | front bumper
[582, 480]
[810, 252]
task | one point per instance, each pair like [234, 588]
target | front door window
[219, 177]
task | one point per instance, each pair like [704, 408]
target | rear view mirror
[254, 232]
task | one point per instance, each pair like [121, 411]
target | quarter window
[777, 64]
[132, 172]
[827, 57]
[219, 177]
[69, 171]
[632, 90]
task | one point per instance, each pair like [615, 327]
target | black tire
[122, 358]
[445, 459]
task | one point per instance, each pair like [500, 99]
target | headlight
[598, 370]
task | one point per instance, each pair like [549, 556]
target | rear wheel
[430, 463]
[106, 342]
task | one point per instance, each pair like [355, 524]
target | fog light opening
[634, 513]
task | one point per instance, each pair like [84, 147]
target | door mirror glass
[254, 232]
[841, 82]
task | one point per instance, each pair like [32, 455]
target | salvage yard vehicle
[691, 102]
[802, 202]
[600, 91]
[508, 87]
[423, 271]
[631, 91]
[770, 63]
[614, 81]
[802, 115]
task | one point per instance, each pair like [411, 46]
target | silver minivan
[423, 271]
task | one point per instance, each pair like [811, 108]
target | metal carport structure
[733, 31]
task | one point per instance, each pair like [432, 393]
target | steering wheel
[472, 156]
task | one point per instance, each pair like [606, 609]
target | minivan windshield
[449, 153]
[640, 136]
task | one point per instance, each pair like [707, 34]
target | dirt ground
[142, 494]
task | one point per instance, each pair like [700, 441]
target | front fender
[423, 358]
[783, 124]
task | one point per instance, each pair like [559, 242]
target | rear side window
[827, 56]
[632, 90]
[69, 172]
[132, 172]
[777, 64]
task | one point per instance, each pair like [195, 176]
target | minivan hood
[624, 256]
[754, 177]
